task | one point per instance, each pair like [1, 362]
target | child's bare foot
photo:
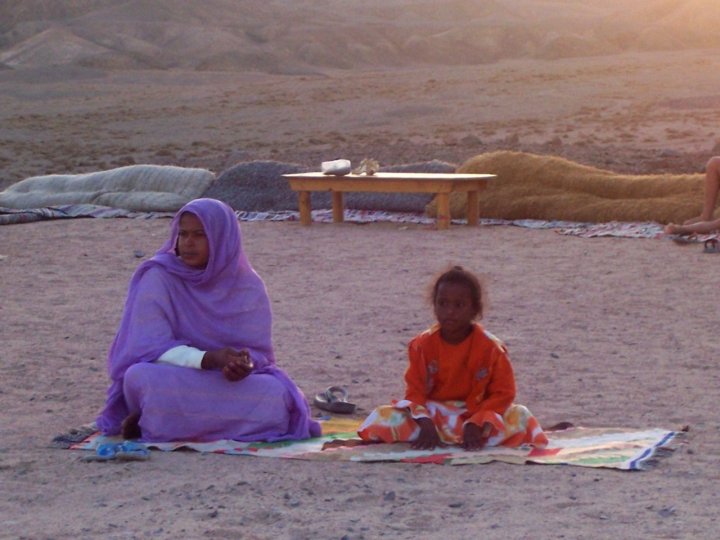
[130, 427]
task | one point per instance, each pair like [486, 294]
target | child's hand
[476, 437]
[428, 437]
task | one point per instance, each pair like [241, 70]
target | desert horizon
[602, 332]
[631, 108]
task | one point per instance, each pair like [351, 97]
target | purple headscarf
[170, 303]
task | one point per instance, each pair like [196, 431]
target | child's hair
[458, 274]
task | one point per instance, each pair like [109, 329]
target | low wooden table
[390, 182]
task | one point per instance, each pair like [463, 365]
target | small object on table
[336, 167]
[368, 167]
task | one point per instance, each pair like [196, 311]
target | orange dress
[452, 384]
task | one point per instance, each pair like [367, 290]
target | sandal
[684, 239]
[711, 245]
[124, 451]
[132, 451]
[104, 452]
[334, 399]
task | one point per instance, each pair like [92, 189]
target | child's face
[454, 311]
[192, 244]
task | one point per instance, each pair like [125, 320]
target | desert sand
[602, 332]
[633, 113]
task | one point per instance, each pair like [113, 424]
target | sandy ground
[638, 112]
[601, 332]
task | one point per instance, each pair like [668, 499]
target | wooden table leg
[443, 211]
[472, 211]
[304, 207]
[338, 206]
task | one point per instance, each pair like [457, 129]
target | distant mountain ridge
[301, 36]
[15, 12]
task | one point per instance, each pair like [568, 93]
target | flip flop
[684, 239]
[334, 399]
[711, 245]
[104, 452]
[132, 451]
[124, 451]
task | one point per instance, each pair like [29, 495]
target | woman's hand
[235, 365]
[476, 437]
[238, 366]
[428, 437]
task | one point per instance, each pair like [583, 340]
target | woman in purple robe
[193, 357]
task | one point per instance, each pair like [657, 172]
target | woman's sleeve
[183, 356]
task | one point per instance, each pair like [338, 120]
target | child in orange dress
[460, 385]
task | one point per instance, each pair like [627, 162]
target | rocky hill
[301, 36]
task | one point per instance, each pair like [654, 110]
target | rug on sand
[10, 216]
[614, 229]
[615, 448]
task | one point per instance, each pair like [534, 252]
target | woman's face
[192, 244]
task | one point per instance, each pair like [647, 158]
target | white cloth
[184, 356]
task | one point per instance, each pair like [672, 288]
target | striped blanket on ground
[615, 448]
[585, 230]
[9, 216]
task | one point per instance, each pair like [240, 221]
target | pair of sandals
[335, 400]
[122, 451]
[711, 245]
